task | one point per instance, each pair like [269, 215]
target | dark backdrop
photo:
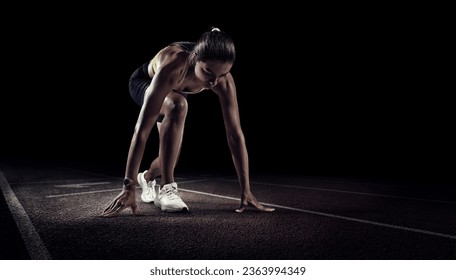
[331, 91]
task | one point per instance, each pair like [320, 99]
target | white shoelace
[171, 193]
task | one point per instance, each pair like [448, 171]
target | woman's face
[210, 71]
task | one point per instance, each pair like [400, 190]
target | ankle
[148, 177]
[172, 184]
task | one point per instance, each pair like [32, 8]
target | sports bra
[188, 92]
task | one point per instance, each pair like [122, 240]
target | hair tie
[215, 29]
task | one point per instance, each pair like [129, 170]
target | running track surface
[50, 211]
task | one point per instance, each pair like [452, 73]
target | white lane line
[86, 172]
[81, 193]
[111, 190]
[76, 181]
[284, 207]
[349, 192]
[100, 174]
[81, 185]
[59, 182]
[32, 240]
[334, 216]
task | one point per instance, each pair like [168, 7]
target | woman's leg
[154, 169]
[171, 130]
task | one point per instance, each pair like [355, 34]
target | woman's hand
[126, 198]
[249, 199]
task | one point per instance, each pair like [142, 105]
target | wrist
[129, 183]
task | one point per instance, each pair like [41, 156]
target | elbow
[235, 138]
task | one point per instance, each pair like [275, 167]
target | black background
[336, 91]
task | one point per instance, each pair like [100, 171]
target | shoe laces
[171, 193]
[149, 190]
[150, 187]
[150, 184]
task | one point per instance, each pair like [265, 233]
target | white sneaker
[148, 188]
[168, 199]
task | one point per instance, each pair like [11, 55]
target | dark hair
[215, 45]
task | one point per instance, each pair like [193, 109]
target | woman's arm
[168, 76]
[226, 90]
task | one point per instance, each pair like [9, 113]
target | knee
[177, 107]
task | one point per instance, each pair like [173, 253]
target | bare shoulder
[172, 57]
